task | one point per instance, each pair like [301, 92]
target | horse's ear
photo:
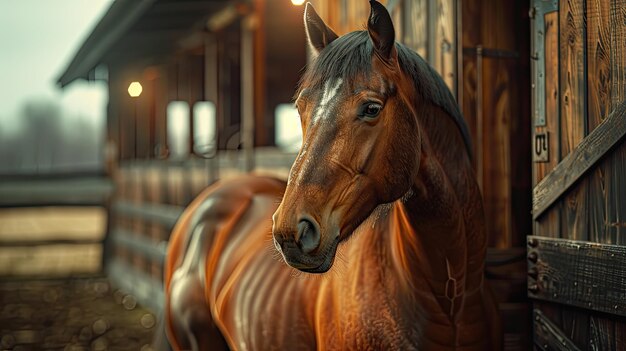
[380, 29]
[317, 32]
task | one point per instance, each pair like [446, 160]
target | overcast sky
[37, 40]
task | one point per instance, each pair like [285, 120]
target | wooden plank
[575, 325]
[442, 43]
[163, 214]
[616, 188]
[414, 25]
[45, 223]
[620, 334]
[548, 336]
[599, 54]
[618, 57]
[550, 224]
[601, 333]
[597, 333]
[154, 251]
[82, 191]
[61, 260]
[578, 273]
[137, 226]
[610, 132]
[574, 219]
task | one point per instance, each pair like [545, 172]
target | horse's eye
[371, 110]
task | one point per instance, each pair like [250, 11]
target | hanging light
[297, 2]
[135, 89]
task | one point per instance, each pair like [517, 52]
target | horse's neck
[438, 231]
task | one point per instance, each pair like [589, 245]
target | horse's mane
[351, 55]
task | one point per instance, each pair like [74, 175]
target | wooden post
[479, 117]
[211, 94]
[247, 89]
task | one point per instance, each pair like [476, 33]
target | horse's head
[360, 140]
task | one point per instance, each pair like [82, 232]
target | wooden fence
[52, 226]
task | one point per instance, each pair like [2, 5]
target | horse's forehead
[340, 86]
[329, 96]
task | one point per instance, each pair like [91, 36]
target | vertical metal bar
[479, 116]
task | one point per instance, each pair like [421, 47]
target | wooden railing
[150, 195]
[52, 225]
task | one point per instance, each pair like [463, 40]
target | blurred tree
[50, 140]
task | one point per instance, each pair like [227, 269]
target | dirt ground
[71, 314]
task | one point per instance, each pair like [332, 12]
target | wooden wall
[585, 55]
[495, 102]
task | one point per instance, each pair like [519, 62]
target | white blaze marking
[327, 96]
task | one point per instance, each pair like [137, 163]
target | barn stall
[540, 87]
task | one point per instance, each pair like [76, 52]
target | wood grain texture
[497, 113]
[550, 223]
[599, 52]
[444, 40]
[578, 273]
[616, 188]
[414, 26]
[575, 325]
[472, 19]
[492, 91]
[599, 331]
[620, 335]
[574, 220]
[548, 336]
[585, 156]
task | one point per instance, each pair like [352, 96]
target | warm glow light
[297, 2]
[135, 89]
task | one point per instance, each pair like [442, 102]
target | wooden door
[577, 253]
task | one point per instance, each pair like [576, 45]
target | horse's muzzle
[304, 250]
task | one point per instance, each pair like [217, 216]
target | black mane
[351, 55]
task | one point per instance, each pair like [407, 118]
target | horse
[377, 239]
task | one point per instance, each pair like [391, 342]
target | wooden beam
[81, 191]
[548, 336]
[590, 150]
[222, 18]
[578, 273]
[140, 244]
[163, 214]
[40, 243]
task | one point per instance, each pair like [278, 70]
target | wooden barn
[195, 86]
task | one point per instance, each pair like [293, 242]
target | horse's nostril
[308, 236]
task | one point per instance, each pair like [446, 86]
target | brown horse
[383, 181]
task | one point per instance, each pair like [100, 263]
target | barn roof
[138, 28]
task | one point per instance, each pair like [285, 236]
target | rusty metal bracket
[538, 60]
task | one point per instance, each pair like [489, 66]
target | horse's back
[227, 215]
